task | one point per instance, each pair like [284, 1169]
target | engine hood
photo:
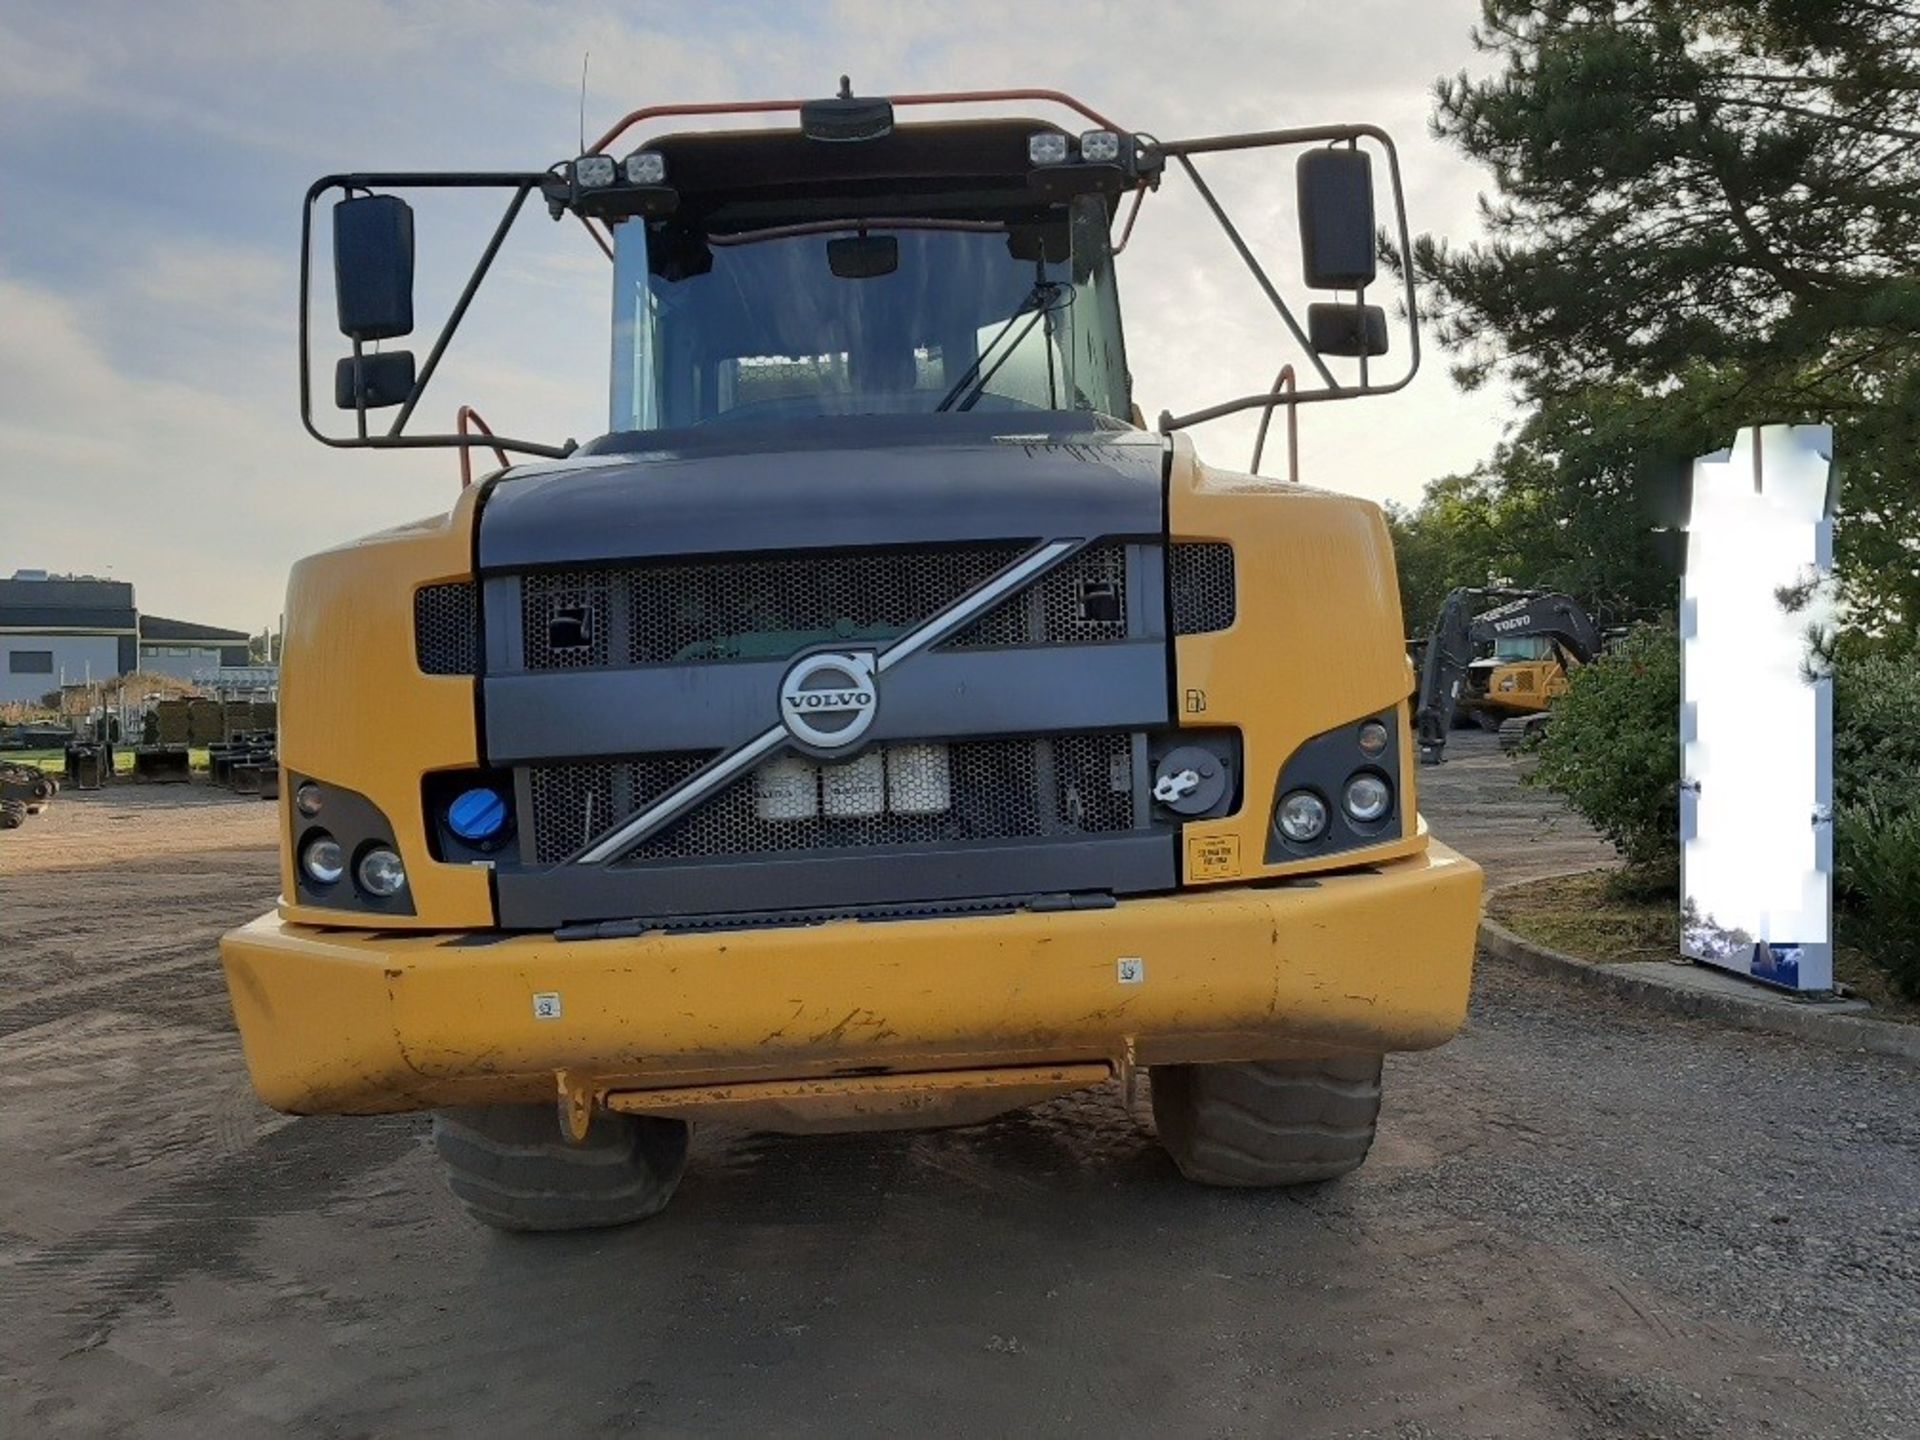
[836, 483]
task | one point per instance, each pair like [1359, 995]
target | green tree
[1707, 215]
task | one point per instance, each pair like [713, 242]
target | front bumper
[357, 1022]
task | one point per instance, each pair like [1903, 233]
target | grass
[56, 760]
[1610, 916]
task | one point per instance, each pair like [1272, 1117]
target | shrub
[1880, 853]
[1613, 750]
[1876, 732]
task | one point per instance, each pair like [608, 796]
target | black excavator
[1505, 686]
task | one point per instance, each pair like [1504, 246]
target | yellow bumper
[351, 1021]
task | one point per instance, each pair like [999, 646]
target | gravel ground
[1579, 1220]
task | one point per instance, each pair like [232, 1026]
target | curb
[1836, 1032]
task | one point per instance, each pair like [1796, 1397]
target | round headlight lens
[1369, 797]
[1302, 816]
[381, 872]
[1373, 738]
[309, 798]
[323, 860]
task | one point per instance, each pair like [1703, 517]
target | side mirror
[373, 266]
[375, 381]
[1334, 189]
[1354, 330]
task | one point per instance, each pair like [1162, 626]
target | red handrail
[1284, 380]
[470, 416]
[765, 107]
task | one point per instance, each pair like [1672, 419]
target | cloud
[148, 421]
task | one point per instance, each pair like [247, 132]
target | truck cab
[877, 726]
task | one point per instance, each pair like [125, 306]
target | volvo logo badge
[828, 701]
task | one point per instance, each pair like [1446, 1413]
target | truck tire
[513, 1169]
[1267, 1122]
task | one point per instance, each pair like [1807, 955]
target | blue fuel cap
[478, 814]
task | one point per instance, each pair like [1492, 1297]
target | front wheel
[1267, 1122]
[513, 1169]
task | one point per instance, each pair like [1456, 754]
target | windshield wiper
[1043, 299]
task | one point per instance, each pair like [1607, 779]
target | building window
[30, 662]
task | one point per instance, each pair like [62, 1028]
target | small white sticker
[546, 1005]
[1132, 970]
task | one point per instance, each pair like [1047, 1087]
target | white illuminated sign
[1756, 711]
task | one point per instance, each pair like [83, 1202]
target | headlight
[1101, 147]
[1301, 816]
[1369, 797]
[322, 859]
[1373, 738]
[381, 873]
[308, 799]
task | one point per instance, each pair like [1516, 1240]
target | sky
[153, 159]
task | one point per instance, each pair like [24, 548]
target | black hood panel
[864, 481]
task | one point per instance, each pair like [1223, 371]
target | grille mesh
[773, 608]
[444, 631]
[994, 789]
[1077, 602]
[1203, 587]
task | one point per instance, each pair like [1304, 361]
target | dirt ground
[1579, 1221]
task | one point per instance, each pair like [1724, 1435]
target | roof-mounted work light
[1047, 147]
[645, 167]
[591, 172]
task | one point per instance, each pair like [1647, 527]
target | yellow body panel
[849, 1025]
[1316, 644]
[1522, 687]
[363, 1021]
[356, 711]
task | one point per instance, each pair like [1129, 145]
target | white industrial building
[70, 629]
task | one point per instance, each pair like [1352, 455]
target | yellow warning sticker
[1213, 857]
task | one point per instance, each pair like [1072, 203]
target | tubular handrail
[470, 416]
[769, 107]
[1284, 380]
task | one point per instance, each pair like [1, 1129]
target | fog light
[1373, 738]
[1049, 147]
[322, 859]
[1369, 797]
[381, 873]
[1102, 147]
[1301, 816]
[646, 167]
[309, 798]
[477, 814]
[591, 172]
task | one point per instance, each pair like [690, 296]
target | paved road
[1578, 1221]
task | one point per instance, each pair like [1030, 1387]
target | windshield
[914, 318]
[1523, 647]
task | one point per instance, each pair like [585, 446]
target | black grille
[1079, 601]
[1203, 590]
[772, 608]
[569, 618]
[1062, 786]
[445, 635]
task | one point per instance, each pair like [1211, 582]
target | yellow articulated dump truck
[880, 725]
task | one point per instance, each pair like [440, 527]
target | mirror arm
[1252, 264]
[459, 309]
[428, 180]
